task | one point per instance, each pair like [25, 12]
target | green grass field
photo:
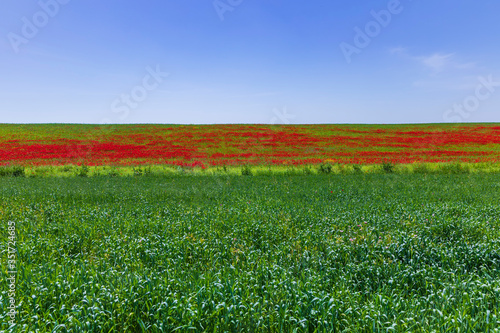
[263, 253]
[269, 170]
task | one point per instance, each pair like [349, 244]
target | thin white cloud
[437, 61]
[440, 70]
[399, 51]
[467, 65]
[465, 83]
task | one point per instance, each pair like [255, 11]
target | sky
[242, 61]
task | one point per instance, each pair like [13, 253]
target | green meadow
[275, 252]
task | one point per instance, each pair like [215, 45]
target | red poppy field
[215, 145]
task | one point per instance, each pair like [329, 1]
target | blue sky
[242, 61]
